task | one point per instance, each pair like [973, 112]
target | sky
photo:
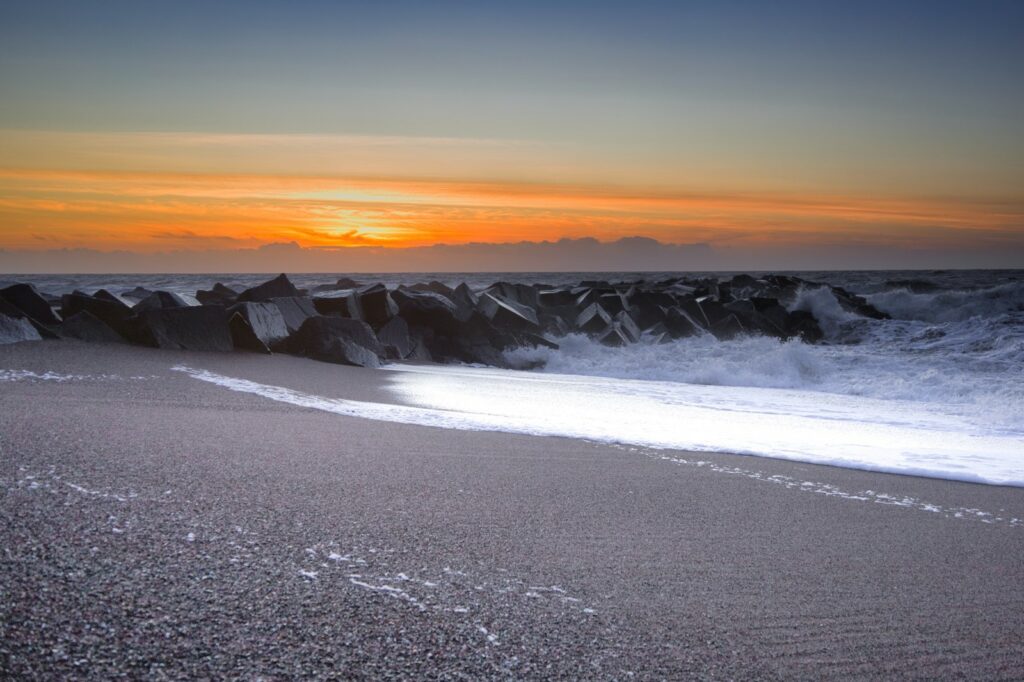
[187, 135]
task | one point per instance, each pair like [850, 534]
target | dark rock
[465, 301]
[394, 337]
[15, 329]
[585, 296]
[244, 337]
[613, 303]
[198, 328]
[105, 295]
[658, 338]
[113, 312]
[220, 294]
[507, 314]
[332, 305]
[648, 307]
[347, 283]
[857, 304]
[625, 322]
[521, 294]
[713, 311]
[295, 310]
[523, 339]
[85, 326]
[264, 320]
[680, 324]
[337, 339]
[689, 305]
[740, 308]
[593, 320]
[558, 321]
[613, 335]
[136, 294]
[556, 298]
[373, 305]
[10, 311]
[25, 298]
[803, 325]
[158, 300]
[436, 287]
[429, 310]
[728, 327]
[279, 287]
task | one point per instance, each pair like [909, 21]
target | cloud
[568, 255]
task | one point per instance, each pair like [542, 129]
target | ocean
[937, 390]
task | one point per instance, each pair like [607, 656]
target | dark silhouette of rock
[857, 304]
[679, 324]
[593, 320]
[243, 337]
[521, 294]
[220, 294]
[25, 298]
[106, 295]
[585, 296]
[803, 325]
[85, 326]
[614, 336]
[197, 328]
[713, 311]
[15, 329]
[556, 298]
[728, 327]
[112, 311]
[394, 337]
[279, 287]
[136, 294]
[158, 300]
[507, 314]
[427, 309]
[628, 326]
[295, 310]
[337, 339]
[612, 302]
[558, 321]
[689, 305]
[372, 304]
[10, 311]
[436, 287]
[265, 320]
[332, 305]
[465, 301]
[657, 336]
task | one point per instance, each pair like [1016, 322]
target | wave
[950, 306]
[987, 388]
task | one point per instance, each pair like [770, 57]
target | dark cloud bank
[567, 255]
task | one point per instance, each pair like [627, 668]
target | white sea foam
[858, 432]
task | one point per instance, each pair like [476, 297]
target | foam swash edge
[899, 437]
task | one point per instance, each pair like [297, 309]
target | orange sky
[142, 192]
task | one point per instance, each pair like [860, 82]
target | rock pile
[363, 325]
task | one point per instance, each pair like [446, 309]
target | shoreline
[710, 565]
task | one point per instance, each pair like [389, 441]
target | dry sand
[154, 525]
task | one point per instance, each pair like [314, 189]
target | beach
[156, 525]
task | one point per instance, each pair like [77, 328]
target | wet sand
[157, 525]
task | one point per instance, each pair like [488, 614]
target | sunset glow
[421, 147]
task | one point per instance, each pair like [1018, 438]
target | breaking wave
[961, 352]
